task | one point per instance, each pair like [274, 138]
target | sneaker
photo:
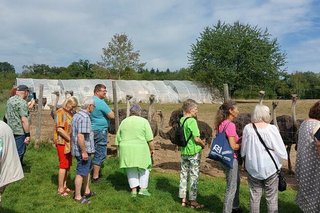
[134, 194]
[237, 210]
[144, 192]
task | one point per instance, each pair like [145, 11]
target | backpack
[179, 138]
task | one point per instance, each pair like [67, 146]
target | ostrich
[205, 129]
[288, 127]
[55, 105]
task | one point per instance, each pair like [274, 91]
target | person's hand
[84, 155]
[152, 152]
[26, 140]
[318, 147]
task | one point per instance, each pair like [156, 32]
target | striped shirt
[81, 123]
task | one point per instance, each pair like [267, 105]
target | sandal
[83, 200]
[195, 205]
[90, 194]
[184, 202]
[64, 193]
[69, 191]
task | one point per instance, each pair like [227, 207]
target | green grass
[37, 192]
[2, 109]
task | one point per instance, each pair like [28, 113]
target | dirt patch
[167, 158]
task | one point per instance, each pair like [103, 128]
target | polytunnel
[140, 90]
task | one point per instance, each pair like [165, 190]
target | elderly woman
[61, 137]
[308, 161]
[262, 172]
[225, 116]
[190, 155]
[134, 138]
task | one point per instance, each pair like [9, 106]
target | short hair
[86, 101]
[73, 101]
[260, 113]
[98, 87]
[314, 111]
[135, 109]
[188, 105]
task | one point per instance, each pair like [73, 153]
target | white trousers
[138, 177]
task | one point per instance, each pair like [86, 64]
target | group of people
[84, 134]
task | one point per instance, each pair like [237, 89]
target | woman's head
[135, 109]
[261, 113]
[70, 103]
[227, 110]
[314, 111]
[190, 107]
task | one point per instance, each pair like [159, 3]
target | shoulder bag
[282, 181]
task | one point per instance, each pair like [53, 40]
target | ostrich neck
[294, 116]
[274, 117]
[128, 108]
[150, 108]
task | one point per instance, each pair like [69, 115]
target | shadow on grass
[70, 182]
[211, 202]
[5, 210]
[119, 181]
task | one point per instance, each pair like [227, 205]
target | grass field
[37, 192]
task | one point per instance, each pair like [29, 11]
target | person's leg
[63, 164]
[185, 165]
[256, 189]
[271, 189]
[232, 182]
[21, 146]
[78, 185]
[133, 180]
[144, 178]
[101, 140]
[194, 176]
[1, 191]
[236, 202]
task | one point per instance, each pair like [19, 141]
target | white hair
[260, 113]
[86, 101]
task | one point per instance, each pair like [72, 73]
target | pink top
[230, 130]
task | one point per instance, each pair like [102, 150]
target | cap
[22, 87]
[135, 108]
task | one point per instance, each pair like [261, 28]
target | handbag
[282, 186]
[220, 149]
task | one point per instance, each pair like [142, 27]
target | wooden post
[38, 123]
[115, 103]
[226, 92]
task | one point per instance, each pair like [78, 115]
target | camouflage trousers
[190, 166]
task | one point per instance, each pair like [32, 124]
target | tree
[81, 69]
[239, 55]
[119, 55]
[5, 67]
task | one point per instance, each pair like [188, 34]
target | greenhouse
[140, 90]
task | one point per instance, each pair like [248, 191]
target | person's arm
[26, 129]
[63, 134]
[234, 145]
[82, 146]
[151, 147]
[110, 115]
[200, 142]
[318, 146]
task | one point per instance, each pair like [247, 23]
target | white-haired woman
[262, 172]
[134, 138]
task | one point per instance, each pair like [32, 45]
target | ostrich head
[261, 94]
[128, 97]
[56, 93]
[294, 98]
[152, 98]
[274, 104]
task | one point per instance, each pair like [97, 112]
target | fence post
[38, 123]
[226, 92]
[115, 103]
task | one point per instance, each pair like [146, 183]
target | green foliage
[240, 55]
[6, 67]
[119, 55]
[37, 192]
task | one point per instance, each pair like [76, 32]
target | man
[82, 149]
[100, 122]
[10, 166]
[18, 119]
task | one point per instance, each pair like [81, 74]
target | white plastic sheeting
[164, 91]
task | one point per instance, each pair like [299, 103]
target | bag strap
[182, 127]
[225, 127]
[265, 146]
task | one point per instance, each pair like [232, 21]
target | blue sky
[59, 32]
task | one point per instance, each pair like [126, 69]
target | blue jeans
[231, 197]
[21, 146]
[100, 145]
[83, 166]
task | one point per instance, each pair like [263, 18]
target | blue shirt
[81, 124]
[99, 118]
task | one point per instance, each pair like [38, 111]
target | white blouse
[258, 162]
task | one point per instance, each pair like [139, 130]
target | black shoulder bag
[282, 181]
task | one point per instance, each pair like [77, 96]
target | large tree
[6, 67]
[119, 55]
[239, 55]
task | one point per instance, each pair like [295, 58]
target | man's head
[100, 91]
[88, 104]
[22, 91]
[135, 109]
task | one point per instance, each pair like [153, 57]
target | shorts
[65, 160]
[100, 145]
[83, 166]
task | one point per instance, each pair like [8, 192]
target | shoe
[91, 194]
[195, 205]
[83, 200]
[144, 192]
[237, 210]
[134, 194]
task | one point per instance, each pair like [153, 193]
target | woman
[308, 161]
[190, 155]
[226, 114]
[61, 137]
[262, 172]
[134, 138]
